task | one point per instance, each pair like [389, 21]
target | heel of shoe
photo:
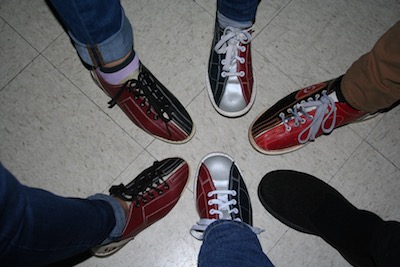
[110, 248]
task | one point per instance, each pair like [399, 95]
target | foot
[301, 117]
[221, 194]
[152, 195]
[230, 81]
[311, 206]
[150, 106]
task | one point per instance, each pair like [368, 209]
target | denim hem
[115, 47]
[120, 217]
[238, 10]
[224, 21]
[221, 223]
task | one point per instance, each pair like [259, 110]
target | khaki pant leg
[372, 83]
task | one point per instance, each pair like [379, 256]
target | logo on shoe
[310, 90]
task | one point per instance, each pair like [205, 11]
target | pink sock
[120, 75]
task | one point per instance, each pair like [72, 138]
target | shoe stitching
[324, 107]
[141, 188]
[146, 87]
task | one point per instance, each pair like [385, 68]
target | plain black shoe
[309, 205]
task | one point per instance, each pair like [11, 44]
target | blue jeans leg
[238, 10]
[231, 244]
[99, 29]
[38, 227]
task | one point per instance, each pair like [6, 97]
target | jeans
[102, 33]
[238, 10]
[39, 228]
[99, 29]
[231, 244]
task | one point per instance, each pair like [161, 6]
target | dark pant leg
[38, 227]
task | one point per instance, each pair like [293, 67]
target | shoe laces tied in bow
[142, 188]
[324, 107]
[225, 208]
[229, 45]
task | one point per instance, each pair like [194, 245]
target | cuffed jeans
[39, 228]
[102, 33]
[231, 244]
[99, 29]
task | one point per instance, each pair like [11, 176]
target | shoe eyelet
[241, 73]
[209, 203]
[209, 194]
[288, 128]
[296, 124]
[223, 74]
[303, 120]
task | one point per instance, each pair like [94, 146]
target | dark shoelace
[146, 87]
[140, 189]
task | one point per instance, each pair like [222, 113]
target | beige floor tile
[371, 182]
[386, 136]
[33, 20]
[55, 138]
[312, 41]
[299, 249]
[15, 52]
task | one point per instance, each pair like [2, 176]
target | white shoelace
[321, 105]
[229, 45]
[223, 204]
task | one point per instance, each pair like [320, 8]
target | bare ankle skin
[117, 62]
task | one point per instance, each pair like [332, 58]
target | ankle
[119, 61]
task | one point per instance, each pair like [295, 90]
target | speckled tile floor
[58, 134]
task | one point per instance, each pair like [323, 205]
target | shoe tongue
[346, 228]
[334, 96]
